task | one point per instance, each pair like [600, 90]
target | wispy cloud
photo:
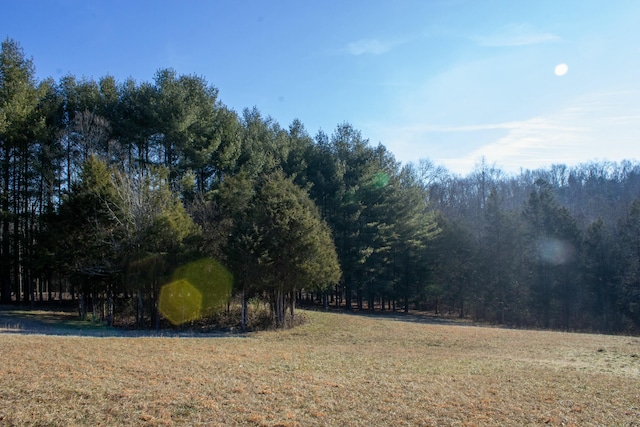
[531, 144]
[534, 124]
[368, 46]
[516, 35]
[592, 128]
[597, 126]
[373, 46]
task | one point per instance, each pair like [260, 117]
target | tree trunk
[110, 308]
[279, 308]
[243, 321]
[141, 310]
[93, 306]
[292, 297]
[48, 280]
[347, 296]
[156, 313]
[83, 307]
[5, 297]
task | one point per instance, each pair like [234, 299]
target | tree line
[551, 248]
[108, 187]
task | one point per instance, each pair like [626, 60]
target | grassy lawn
[335, 370]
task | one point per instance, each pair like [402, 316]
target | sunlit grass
[336, 369]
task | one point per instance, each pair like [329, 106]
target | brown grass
[336, 370]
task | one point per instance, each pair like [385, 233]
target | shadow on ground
[66, 322]
[413, 316]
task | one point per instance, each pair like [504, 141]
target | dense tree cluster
[555, 247]
[106, 188]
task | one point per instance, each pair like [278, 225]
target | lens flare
[196, 290]
[555, 251]
[180, 302]
[380, 180]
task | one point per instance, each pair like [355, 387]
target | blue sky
[449, 80]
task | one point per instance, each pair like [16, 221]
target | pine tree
[554, 240]
[18, 126]
[598, 264]
[279, 243]
[628, 255]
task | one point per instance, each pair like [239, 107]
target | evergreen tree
[456, 261]
[265, 145]
[85, 237]
[155, 234]
[19, 124]
[628, 255]
[500, 297]
[354, 166]
[598, 264]
[183, 113]
[415, 229]
[553, 239]
[296, 249]
[282, 244]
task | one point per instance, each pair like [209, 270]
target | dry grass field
[335, 370]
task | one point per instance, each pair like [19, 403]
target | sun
[561, 70]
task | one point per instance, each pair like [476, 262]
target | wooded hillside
[108, 187]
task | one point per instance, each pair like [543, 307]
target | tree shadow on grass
[58, 321]
[413, 316]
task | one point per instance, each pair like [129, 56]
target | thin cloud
[373, 46]
[369, 46]
[602, 125]
[564, 137]
[533, 124]
[527, 143]
[516, 35]
[532, 142]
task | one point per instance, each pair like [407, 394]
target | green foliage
[87, 237]
[108, 186]
[455, 253]
[19, 124]
[184, 120]
[599, 264]
[552, 256]
[197, 289]
[628, 255]
[502, 298]
[17, 88]
[296, 245]
[122, 231]
[279, 243]
[379, 215]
